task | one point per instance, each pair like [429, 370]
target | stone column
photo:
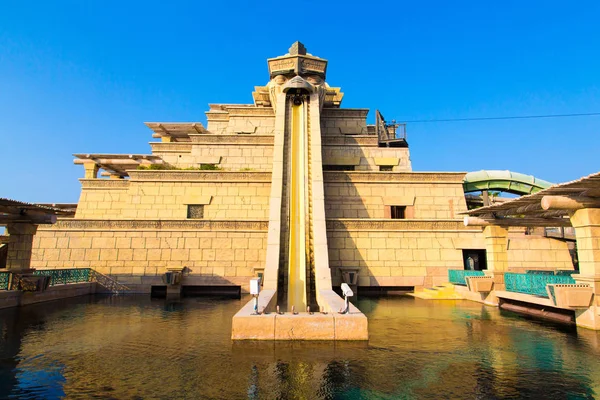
[91, 170]
[20, 243]
[496, 248]
[587, 232]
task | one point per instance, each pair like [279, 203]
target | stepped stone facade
[207, 209]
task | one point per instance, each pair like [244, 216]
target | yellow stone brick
[387, 255]
[139, 254]
[80, 243]
[222, 243]
[180, 254]
[92, 255]
[165, 254]
[208, 254]
[108, 254]
[153, 254]
[225, 255]
[125, 255]
[123, 243]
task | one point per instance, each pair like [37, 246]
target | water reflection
[136, 347]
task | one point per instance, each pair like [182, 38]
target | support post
[91, 170]
[496, 247]
[20, 243]
[587, 232]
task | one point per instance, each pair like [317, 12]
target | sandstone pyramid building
[294, 188]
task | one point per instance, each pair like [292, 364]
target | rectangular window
[388, 168]
[474, 260]
[195, 211]
[398, 212]
[338, 167]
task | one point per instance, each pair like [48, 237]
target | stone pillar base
[589, 318]
[498, 279]
[173, 291]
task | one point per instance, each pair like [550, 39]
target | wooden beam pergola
[13, 211]
[550, 207]
[117, 164]
[176, 131]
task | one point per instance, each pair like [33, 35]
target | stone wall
[419, 253]
[400, 253]
[534, 252]
[228, 152]
[167, 194]
[235, 119]
[357, 195]
[215, 256]
[344, 121]
[367, 158]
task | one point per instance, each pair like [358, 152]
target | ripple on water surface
[133, 347]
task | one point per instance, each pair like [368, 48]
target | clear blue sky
[83, 76]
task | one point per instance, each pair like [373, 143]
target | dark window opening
[474, 260]
[338, 167]
[398, 212]
[3, 255]
[195, 211]
[387, 168]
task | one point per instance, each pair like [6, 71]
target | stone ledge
[238, 140]
[344, 112]
[170, 147]
[240, 110]
[525, 298]
[199, 176]
[355, 140]
[137, 224]
[358, 224]
[13, 298]
[392, 177]
[104, 183]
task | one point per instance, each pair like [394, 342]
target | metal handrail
[457, 276]
[534, 284]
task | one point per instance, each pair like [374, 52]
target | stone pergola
[575, 204]
[21, 220]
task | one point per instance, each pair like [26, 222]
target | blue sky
[83, 76]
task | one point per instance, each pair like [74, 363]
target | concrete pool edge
[301, 326]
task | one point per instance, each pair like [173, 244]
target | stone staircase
[446, 291]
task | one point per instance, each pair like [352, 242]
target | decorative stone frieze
[130, 224]
[356, 140]
[383, 177]
[200, 176]
[173, 147]
[397, 225]
[235, 140]
[104, 184]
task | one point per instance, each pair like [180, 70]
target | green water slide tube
[503, 181]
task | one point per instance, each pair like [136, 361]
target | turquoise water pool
[133, 347]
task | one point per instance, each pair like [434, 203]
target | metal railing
[65, 276]
[108, 283]
[388, 131]
[457, 276]
[4, 280]
[534, 284]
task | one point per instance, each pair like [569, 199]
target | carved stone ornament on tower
[297, 49]
[297, 69]
[297, 63]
